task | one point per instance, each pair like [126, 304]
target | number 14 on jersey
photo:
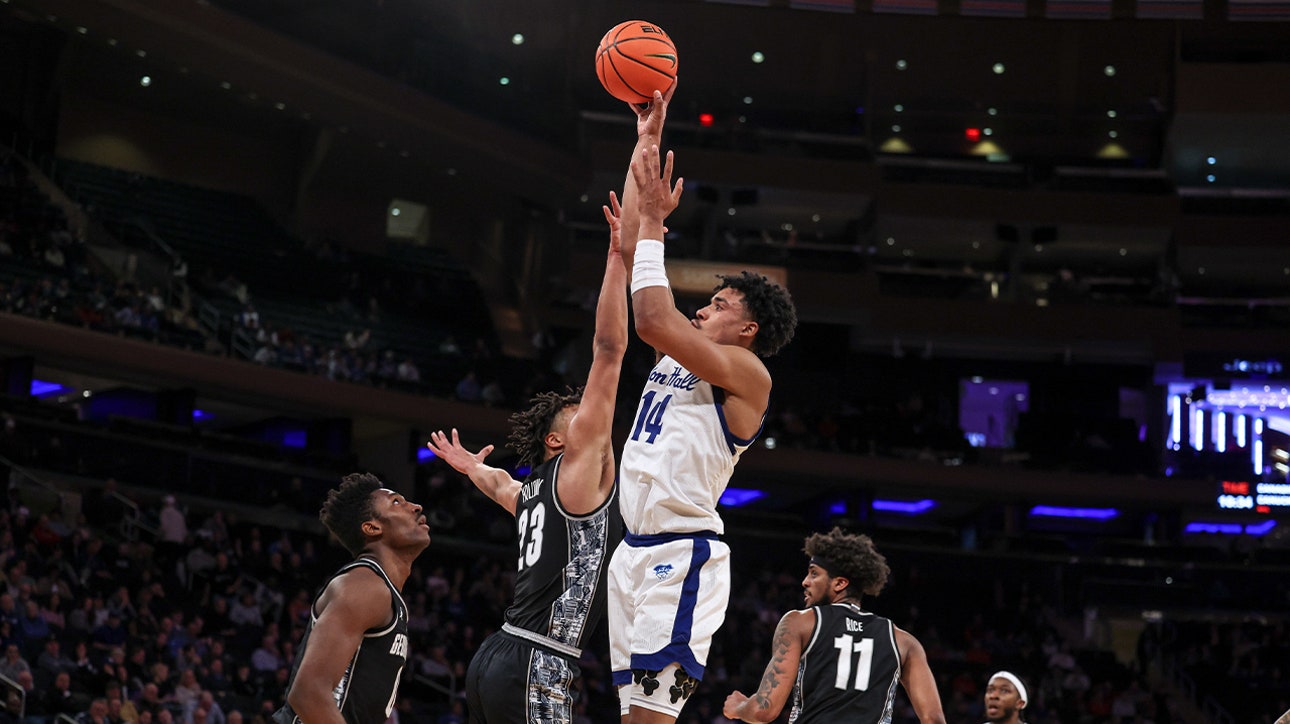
[650, 420]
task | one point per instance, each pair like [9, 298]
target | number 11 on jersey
[845, 646]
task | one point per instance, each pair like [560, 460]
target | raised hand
[658, 197]
[614, 215]
[650, 116]
[452, 452]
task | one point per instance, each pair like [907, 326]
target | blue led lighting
[838, 507]
[735, 497]
[1223, 528]
[425, 455]
[1260, 528]
[1254, 529]
[41, 388]
[201, 415]
[1055, 511]
[908, 507]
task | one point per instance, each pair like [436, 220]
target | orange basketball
[635, 59]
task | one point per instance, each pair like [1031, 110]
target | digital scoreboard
[1256, 497]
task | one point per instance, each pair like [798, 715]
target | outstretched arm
[916, 677]
[587, 471]
[781, 672]
[493, 482]
[649, 132]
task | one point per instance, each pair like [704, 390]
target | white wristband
[648, 269]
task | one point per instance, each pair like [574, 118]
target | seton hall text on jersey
[676, 379]
[531, 489]
[854, 625]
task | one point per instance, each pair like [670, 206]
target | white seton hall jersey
[678, 456]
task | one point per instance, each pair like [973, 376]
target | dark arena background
[1040, 250]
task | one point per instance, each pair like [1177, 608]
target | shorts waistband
[641, 541]
[545, 642]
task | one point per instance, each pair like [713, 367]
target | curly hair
[769, 305]
[348, 507]
[855, 557]
[530, 427]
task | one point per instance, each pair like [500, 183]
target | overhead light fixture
[758, 57]
[902, 64]
[1109, 71]
[998, 68]
[145, 81]
[517, 39]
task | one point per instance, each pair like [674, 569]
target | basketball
[636, 58]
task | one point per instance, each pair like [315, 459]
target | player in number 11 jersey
[841, 662]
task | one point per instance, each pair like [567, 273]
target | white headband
[1021, 688]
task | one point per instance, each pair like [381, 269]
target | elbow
[610, 346]
[649, 326]
[296, 700]
[301, 702]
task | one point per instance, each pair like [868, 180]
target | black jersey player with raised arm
[567, 522]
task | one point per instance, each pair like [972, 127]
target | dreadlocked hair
[856, 557]
[348, 507]
[530, 427]
[769, 305]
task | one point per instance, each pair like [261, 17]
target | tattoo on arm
[775, 669]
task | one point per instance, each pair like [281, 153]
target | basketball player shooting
[703, 404]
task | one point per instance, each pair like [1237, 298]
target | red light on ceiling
[972, 135]
[706, 119]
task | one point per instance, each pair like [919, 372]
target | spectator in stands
[237, 289]
[95, 714]
[13, 663]
[61, 699]
[357, 340]
[173, 532]
[468, 389]
[187, 690]
[33, 628]
[52, 662]
[407, 371]
[267, 658]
